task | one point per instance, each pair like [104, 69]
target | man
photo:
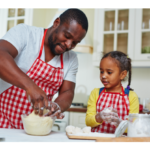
[36, 63]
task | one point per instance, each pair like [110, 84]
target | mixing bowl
[37, 125]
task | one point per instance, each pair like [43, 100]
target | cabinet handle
[57, 126]
[148, 57]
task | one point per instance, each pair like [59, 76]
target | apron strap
[100, 90]
[123, 92]
[126, 91]
[61, 59]
[42, 43]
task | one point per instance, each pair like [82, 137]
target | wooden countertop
[141, 112]
[77, 109]
[84, 109]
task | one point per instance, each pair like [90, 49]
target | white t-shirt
[27, 40]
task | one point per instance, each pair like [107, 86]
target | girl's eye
[109, 72]
[101, 71]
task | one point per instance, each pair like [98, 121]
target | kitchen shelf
[145, 30]
[113, 32]
[108, 32]
[122, 31]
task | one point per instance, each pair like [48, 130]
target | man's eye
[66, 36]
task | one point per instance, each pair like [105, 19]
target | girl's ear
[123, 74]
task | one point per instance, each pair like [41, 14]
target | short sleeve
[72, 67]
[17, 36]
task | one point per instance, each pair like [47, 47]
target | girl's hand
[109, 116]
[104, 115]
[115, 120]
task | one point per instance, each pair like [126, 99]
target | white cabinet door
[77, 119]
[10, 17]
[142, 35]
[113, 30]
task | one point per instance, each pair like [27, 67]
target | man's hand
[54, 110]
[38, 99]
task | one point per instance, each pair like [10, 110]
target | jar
[139, 125]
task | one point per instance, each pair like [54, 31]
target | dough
[77, 130]
[74, 130]
[86, 130]
[36, 125]
[70, 129]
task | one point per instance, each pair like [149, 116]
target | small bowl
[36, 126]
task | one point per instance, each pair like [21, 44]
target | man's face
[110, 74]
[65, 37]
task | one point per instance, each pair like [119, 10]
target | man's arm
[66, 94]
[64, 100]
[12, 74]
[9, 71]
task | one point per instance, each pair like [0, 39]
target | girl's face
[110, 74]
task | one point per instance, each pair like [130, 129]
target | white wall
[89, 76]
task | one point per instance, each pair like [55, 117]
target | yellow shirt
[91, 107]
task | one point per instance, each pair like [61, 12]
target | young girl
[114, 67]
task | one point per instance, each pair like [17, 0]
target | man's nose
[68, 44]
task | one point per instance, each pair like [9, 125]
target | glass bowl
[38, 125]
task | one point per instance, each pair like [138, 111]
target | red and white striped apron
[118, 101]
[13, 101]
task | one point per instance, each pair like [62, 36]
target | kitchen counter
[84, 109]
[77, 109]
[17, 135]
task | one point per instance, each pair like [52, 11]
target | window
[11, 17]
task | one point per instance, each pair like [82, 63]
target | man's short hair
[74, 14]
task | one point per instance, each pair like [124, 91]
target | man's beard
[52, 45]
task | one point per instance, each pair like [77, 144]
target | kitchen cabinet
[120, 29]
[142, 34]
[10, 17]
[77, 119]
